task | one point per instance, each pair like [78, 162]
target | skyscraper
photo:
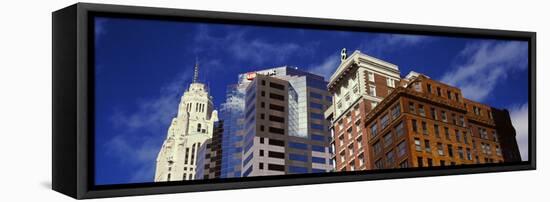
[192, 126]
[285, 132]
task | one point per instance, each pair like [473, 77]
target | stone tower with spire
[192, 126]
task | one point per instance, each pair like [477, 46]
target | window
[449, 95]
[427, 146]
[430, 164]
[261, 166]
[429, 86]
[273, 154]
[390, 82]
[352, 165]
[199, 127]
[297, 157]
[399, 129]
[388, 139]
[453, 117]
[384, 121]
[341, 140]
[361, 158]
[434, 113]
[483, 133]
[389, 158]
[297, 145]
[350, 149]
[276, 142]
[404, 164]
[457, 136]
[441, 163]
[440, 149]
[443, 116]
[276, 96]
[276, 107]
[424, 128]
[279, 131]
[396, 111]
[276, 167]
[276, 119]
[359, 141]
[316, 105]
[414, 126]
[342, 156]
[276, 86]
[438, 91]
[447, 135]
[417, 144]
[468, 154]
[417, 87]
[436, 131]
[373, 130]
[401, 149]
[460, 153]
[411, 107]
[379, 164]
[420, 162]
[371, 76]
[498, 151]
[317, 126]
[461, 121]
[450, 150]
[377, 148]
[456, 97]
[315, 95]
[372, 90]
[318, 160]
[261, 152]
[421, 110]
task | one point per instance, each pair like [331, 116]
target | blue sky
[144, 66]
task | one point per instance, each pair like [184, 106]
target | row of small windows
[199, 107]
[459, 136]
[456, 120]
[439, 93]
[385, 120]
[319, 96]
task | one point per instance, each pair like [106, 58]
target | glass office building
[286, 132]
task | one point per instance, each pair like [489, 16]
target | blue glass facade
[232, 112]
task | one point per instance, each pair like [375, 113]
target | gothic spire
[196, 75]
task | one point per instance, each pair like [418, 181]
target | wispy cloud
[242, 47]
[486, 64]
[327, 67]
[150, 120]
[381, 44]
[520, 119]
[99, 28]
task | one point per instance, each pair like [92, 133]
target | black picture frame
[73, 97]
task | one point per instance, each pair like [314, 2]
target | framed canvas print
[155, 100]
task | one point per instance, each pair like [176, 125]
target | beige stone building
[192, 126]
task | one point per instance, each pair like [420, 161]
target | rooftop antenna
[196, 73]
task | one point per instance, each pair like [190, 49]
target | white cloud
[520, 120]
[486, 64]
[385, 43]
[237, 44]
[327, 67]
[138, 152]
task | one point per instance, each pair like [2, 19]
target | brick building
[418, 122]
